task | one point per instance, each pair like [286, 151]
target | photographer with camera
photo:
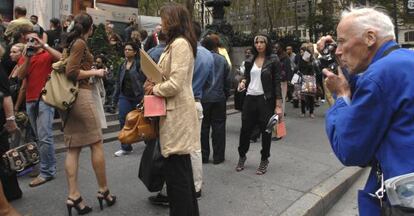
[35, 67]
[371, 122]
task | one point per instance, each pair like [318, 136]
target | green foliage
[99, 45]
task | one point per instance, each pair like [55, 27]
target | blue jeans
[126, 105]
[43, 128]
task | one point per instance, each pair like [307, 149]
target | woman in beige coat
[178, 136]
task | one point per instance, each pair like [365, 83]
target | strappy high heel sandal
[76, 204]
[109, 199]
[262, 169]
[240, 164]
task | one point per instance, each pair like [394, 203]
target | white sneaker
[121, 152]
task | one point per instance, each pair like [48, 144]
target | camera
[30, 50]
[328, 59]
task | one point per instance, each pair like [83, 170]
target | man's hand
[337, 83]
[39, 42]
[323, 41]
[10, 126]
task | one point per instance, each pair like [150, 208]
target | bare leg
[71, 168]
[5, 208]
[98, 164]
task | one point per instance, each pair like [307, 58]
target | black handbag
[239, 99]
[151, 166]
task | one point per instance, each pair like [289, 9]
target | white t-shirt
[255, 86]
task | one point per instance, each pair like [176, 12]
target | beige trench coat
[179, 129]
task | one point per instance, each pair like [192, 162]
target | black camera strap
[389, 50]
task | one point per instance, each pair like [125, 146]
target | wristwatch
[11, 118]
[45, 45]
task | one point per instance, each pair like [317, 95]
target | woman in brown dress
[83, 125]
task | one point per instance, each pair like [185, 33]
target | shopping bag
[280, 129]
[150, 168]
[154, 106]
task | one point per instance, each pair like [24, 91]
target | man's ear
[370, 37]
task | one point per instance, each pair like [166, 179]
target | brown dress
[83, 126]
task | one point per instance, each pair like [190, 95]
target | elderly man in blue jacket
[371, 123]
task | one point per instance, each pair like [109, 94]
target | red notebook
[281, 129]
[154, 106]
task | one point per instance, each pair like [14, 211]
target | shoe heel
[69, 209]
[100, 200]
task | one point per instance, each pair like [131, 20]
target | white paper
[295, 79]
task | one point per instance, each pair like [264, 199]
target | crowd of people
[197, 83]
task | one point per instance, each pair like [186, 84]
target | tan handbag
[60, 92]
[137, 127]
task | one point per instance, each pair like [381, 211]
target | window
[409, 36]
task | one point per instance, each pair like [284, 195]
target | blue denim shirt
[203, 67]
[217, 87]
[378, 123]
[155, 52]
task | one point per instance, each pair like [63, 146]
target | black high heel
[75, 203]
[106, 196]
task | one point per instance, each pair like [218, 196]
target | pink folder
[154, 106]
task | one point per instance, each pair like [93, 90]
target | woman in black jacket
[263, 99]
[129, 90]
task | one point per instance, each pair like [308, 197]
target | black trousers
[308, 102]
[256, 111]
[180, 186]
[214, 118]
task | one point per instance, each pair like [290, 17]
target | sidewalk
[348, 204]
[304, 178]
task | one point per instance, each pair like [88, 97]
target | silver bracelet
[11, 118]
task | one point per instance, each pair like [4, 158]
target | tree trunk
[254, 18]
[190, 6]
[269, 16]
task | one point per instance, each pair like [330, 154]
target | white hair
[371, 18]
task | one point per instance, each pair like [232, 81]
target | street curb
[322, 197]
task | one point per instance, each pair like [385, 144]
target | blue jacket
[203, 68]
[217, 87]
[378, 125]
[137, 77]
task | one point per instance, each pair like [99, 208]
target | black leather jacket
[138, 79]
[270, 76]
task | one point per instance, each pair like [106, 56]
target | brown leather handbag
[137, 127]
